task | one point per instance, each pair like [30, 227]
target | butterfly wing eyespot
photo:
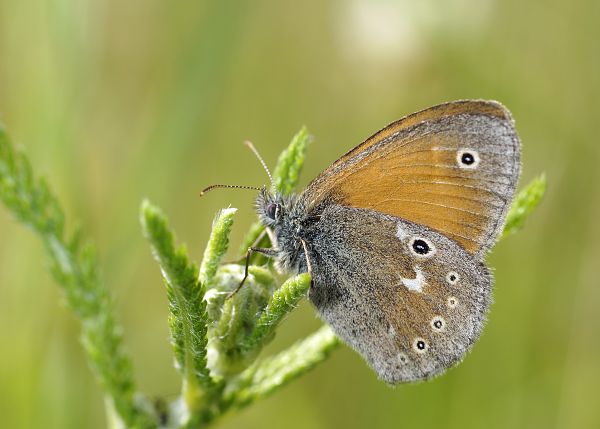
[452, 277]
[452, 302]
[452, 168]
[369, 294]
[438, 324]
[421, 247]
[467, 158]
[420, 345]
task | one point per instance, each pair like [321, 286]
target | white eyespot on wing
[421, 247]
[416, 284]
[438, 324]
[402, 358]
[452, 302]
[401, 233]
[452, 277]
[467, 158]
[420, 346]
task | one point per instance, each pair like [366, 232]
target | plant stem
[75, 268]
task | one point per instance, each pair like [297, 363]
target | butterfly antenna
[262, 161]
[211, 187]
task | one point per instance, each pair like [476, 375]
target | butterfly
[394, 235]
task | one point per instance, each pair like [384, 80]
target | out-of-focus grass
[123, 100]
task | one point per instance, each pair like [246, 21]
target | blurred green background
[115, 101]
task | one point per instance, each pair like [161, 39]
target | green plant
[216, 341]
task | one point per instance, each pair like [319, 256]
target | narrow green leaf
[217, 245]
[525, 202]
[284, 300]
[188, 319]
[290, 163]
[274, 372]
[75, 268]
[234, 319]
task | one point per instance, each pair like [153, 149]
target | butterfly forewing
[410, 313]
[452, 168]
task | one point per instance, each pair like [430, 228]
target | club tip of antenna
[204, 191]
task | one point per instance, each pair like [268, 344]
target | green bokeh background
[115, 101]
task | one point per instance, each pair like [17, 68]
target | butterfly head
[270, 207]
[282, 216]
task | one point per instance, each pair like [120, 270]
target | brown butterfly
[395, 231]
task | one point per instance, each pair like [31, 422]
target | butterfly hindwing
[452, 168]
[410, 315]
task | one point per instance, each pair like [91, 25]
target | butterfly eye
[272, 210]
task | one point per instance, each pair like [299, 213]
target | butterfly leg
[263, 250]
[258, 240]
[309, 267]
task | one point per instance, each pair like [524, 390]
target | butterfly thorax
[284, 217]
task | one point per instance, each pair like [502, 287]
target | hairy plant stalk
[188, 320]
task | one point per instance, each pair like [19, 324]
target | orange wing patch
[480, 107]
[412, 170]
